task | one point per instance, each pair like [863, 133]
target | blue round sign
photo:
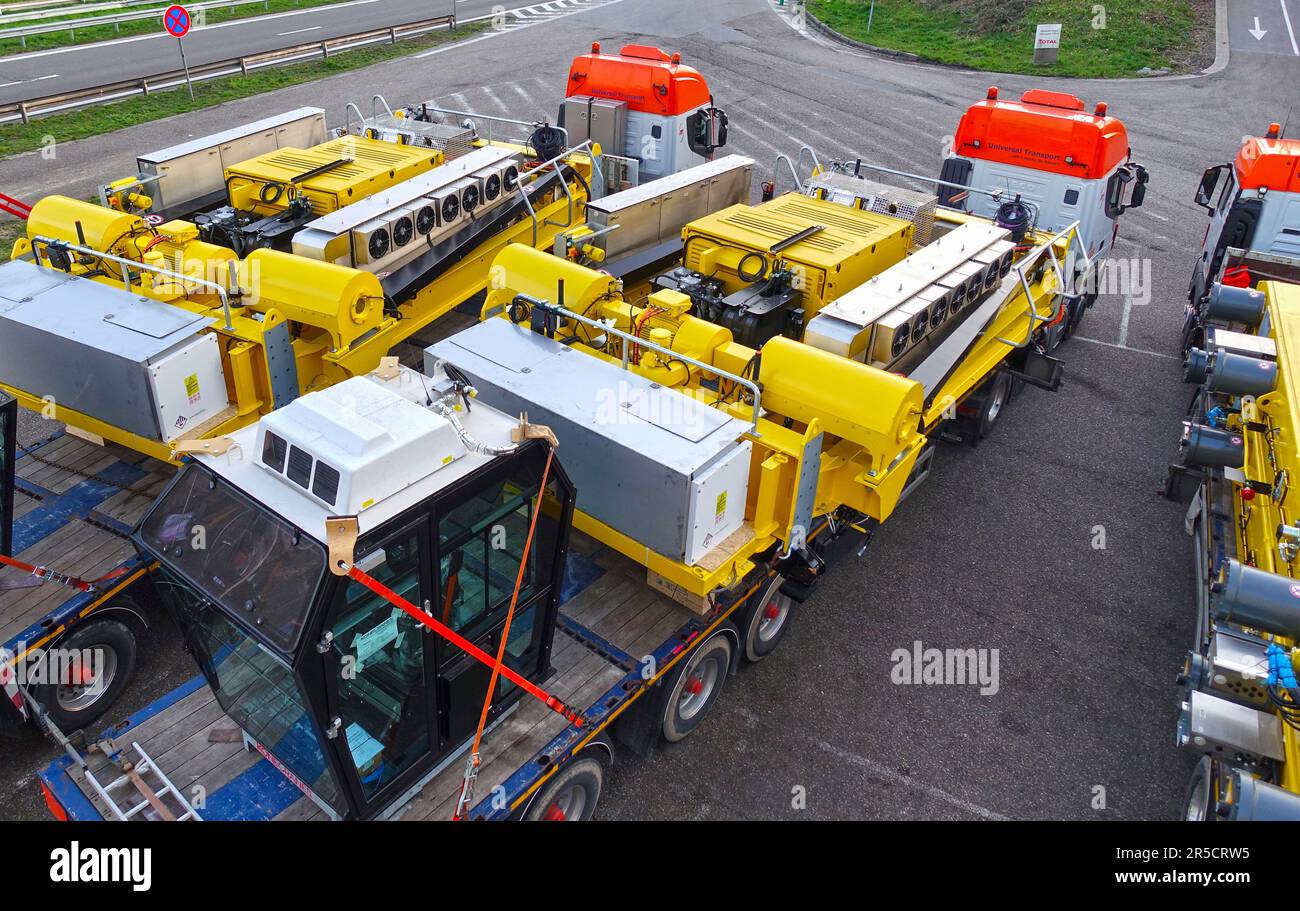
[176, 19]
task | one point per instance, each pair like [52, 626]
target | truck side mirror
[717, 128]
[1139, 191]
[1209, 180]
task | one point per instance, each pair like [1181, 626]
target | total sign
[1047, 43]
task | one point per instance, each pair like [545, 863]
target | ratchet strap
[462, 643]
[46, 574]
[466, 797]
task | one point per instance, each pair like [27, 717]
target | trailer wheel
[572, 793]
[695, 687]
[766, 620]
[1199, 804]
[73, 704]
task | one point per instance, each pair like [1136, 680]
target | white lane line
[744, 132]
[492, 96]
[33, 79]
[1287, 18]
[206, 28]
[883, 771]
[298, 31]
[1097, 341]
[1123, 321]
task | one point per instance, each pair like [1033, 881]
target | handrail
[628, 337]
[126, 264]
[1049, 247]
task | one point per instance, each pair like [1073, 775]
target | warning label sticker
[720, 508]
[192, 387]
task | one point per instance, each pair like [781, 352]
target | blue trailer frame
[55, 511]
[262, 791]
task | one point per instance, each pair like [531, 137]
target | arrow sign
[1258, 32]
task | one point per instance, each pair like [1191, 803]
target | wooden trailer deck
[74, 505]
[610, 620]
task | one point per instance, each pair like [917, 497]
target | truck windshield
[236, 553]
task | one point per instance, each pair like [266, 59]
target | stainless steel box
[655, 212]
[602, 120]
[127, 360]
[192, 173]
[643, 456]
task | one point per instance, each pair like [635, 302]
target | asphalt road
[49, 72]
[996, 551]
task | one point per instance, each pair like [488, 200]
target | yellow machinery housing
[873, 424]
[1259, 498]
[846, 247]
[330, 175]
[291, 320]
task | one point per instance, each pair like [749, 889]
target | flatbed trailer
[622, 644]
[73, 506]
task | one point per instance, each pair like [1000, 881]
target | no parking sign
[176, 19]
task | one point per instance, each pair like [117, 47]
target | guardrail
[6, 8]
[22, 33]
[52, 104]
[85, 7]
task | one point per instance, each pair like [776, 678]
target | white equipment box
[656, 465]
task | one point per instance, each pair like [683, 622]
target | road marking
[4, 85]
[253, 20]
[492, 96]
[298, 31]
[1123, 321]
[1286, 17]
[1258, 32]
[1097, 341]
[885, 772]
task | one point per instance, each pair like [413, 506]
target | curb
[1222, 51]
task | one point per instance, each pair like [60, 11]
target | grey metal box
[656, 212]
[193, 173]
[602, 120]
[90, 346]
[635, 449]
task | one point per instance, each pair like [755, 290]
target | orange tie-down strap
[464, 644]
[46, 574]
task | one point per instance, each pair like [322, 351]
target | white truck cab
[1254, 205]
[1047, 151]
[650, 113]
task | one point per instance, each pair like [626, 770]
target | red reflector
[1237, 277]
[52, 802]
[1248, 493]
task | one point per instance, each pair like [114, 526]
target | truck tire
[979, 414]
[695, 686]
[74, 705]
[1201, 800]
[572, 793]
[766, 620]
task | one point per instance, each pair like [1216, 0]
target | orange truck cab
[651, 114]
[1048, 151]
[1254, 205]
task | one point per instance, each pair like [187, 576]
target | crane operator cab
[356, 701]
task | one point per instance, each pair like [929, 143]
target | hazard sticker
[192, 387]
[720, 508]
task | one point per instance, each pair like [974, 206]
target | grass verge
[93, 33]
[1114, 40]
[105, 118]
